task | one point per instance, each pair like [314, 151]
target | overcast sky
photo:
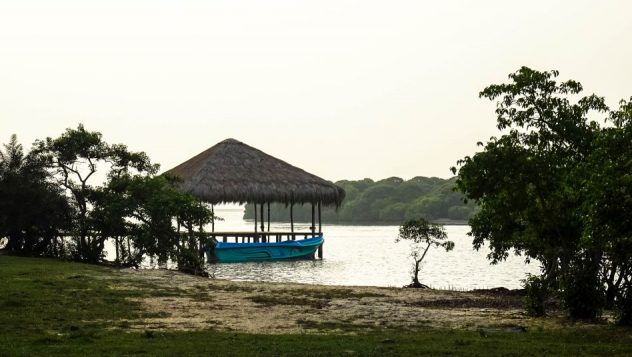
[343, 89]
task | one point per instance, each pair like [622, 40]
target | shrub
[536, 295]
[583, 293]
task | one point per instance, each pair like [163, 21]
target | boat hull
[248, 252]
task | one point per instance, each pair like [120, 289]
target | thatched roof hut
[232, 171]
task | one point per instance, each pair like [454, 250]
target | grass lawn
[50, 307]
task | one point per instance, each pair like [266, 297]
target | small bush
[191, 262]
[536, 295]
[583, 293]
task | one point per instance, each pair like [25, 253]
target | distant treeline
[391, 200]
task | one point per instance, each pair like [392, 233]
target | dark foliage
[582, 289]
[73, 159]
[33, 211]
[555, 186]
[536, 295]
[50, 206]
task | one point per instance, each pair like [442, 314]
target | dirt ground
[200, 303]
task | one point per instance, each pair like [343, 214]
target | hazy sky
[343, 89]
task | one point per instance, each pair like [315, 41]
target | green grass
[53, 308]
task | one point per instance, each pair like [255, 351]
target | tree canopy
[52, 204]
[552, 185]
[391, 200]
[33, 211]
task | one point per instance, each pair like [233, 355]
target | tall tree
[608, 192]
[33, 211]
[525, 181]
[75, 157]
[155, 205]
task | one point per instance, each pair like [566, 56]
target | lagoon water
[368, 255]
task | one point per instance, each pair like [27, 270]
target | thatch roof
[232, 171]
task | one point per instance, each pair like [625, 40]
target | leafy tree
[394, 181]
[109, 218]
[524, 181]
[608, 192]
[50, 193]
[536, 294]
[351, 193]
[155, 204]
[362, 185]
[422, 235]
[581, 288]
[74, 158]
[555, 187]
[393, 213]
[415, 187]
[459, 212]
[379, 191]
[33, 212]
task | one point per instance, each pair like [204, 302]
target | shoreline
[278, 308]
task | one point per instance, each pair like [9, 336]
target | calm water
[368, 255]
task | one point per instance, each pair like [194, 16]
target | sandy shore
[193, 303]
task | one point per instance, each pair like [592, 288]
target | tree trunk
[416, 283]
[129, 248]
[416, 277]
[116, 244]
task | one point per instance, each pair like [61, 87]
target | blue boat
[223, 252]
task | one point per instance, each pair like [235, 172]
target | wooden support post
[116, 243]
[200, 222]
[254, 203]
[320, 222]
[201, 239]
[263, 227]
[313, 220]
[292, 217]
[213, 218]
[320, 231]
[268, 216]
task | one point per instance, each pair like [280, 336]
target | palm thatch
[232, 171]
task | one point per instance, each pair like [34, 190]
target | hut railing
[260, 237]
[254, 237]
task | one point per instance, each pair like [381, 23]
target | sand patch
[193, 303]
